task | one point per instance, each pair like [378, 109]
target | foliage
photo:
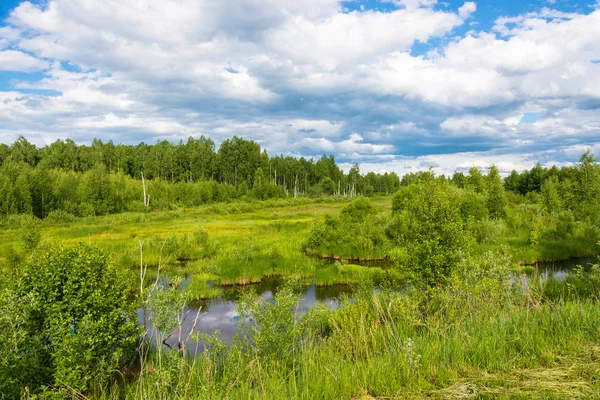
[358, 210]
[432, 232]
[60, 216]
[472, 206]
[105, 178]
[72, 322]
[487, 230]
[551, 199]
[358, 232]
[497, 200]
[483, 324]
[274, 331]
[30, 233]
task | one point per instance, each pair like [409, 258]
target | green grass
[270, 233]
[476, 340]
[450, 344]
[250, 241]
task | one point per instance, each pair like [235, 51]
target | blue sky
[395, 85]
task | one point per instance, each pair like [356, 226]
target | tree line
[106, 178]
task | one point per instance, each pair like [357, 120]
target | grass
[479, 339]
[449, 344]
[242, 243]
[246, 242]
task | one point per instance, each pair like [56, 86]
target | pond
[220, 314]
[559, 270]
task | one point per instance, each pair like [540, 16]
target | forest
[105, 178]
[176, 271]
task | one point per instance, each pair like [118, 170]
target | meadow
[442, 298]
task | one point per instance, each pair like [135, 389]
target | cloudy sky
[395, 85]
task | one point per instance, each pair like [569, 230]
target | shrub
[472, 206]
[30, 234]
[487, 230]
[60, 216]
[72, 321]
[431, 230]
[359, 209]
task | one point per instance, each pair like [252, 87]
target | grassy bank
[481, 339]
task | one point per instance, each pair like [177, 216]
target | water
[559, 270]
[207, 316]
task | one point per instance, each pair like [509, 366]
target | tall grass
[482, 336]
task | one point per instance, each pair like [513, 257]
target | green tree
[4, 153]
[551, 201]
[238, 160]
[475, 180]
[513, 182]
[24, 151]
[587, 188]
[459, 179]
[497, 200]
[260, 185]
[96, 190]
[429, 227]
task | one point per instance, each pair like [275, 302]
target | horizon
[392, 85]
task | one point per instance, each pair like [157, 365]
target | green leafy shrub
[359, 209]
[275, 332]
[431, 230]
[487, 230]
[358, 232]
[496, 196]
[472, 206]
[30, 233]
[60, 216]
[72, 322]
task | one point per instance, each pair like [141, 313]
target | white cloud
[11, 60]
[302, 76]
[353, 146]
[467, 9]
[347, 38]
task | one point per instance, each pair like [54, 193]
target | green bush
[430, 229]
[358, 210]
[30, 233]
[60, 216]
[488, 230]
[70, 321]
[472, 206]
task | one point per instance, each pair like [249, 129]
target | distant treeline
[107, 178]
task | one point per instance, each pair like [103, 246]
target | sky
[394, 85]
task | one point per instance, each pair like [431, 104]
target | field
[240, 243]
[231, 244]
[480, 337]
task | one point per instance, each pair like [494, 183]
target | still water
[220, 314]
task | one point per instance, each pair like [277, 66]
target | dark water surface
[559, 270]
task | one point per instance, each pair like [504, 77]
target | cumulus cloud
[11, 60]
[352, 146]
[306, 77]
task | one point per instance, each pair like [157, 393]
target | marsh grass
[214, 239]
[443, 343]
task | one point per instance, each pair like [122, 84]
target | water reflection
[558, 270]
[207, 316]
